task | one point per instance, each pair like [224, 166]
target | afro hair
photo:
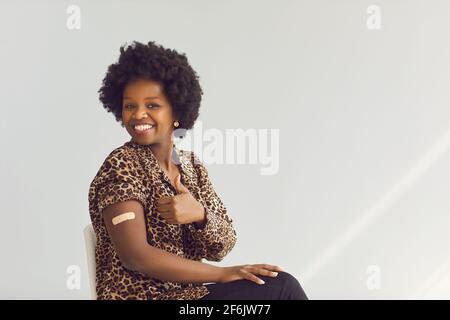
[171, 69]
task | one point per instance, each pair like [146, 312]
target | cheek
[165, 122]
[165, 128]
[124, 116]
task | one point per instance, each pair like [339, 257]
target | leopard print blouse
[131, 171]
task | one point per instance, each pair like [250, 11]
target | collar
[185, 164]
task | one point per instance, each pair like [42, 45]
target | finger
[179, 186]
[165, 214]
[266, 272]
[164, 207]
[269, 267]
[262, 271]
[252, 277]
[164, 200]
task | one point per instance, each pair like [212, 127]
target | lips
[142, 128]
[141, 123]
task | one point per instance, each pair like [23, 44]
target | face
[145, 102]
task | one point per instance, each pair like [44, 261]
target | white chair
[90, 241]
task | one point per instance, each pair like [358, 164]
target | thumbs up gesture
[179, 186]
[182, 208]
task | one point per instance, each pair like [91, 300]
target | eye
[153, 105]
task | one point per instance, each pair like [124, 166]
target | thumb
[179, 186]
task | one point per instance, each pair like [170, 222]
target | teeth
[143, 127]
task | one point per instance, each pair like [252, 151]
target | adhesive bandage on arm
[123, 217]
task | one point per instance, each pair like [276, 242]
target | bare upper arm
[128, 235]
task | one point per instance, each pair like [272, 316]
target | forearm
[215, 239]
[166, 266]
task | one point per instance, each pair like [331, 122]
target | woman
[153, 207]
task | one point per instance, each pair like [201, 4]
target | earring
[176, 123]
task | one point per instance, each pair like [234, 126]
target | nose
[141, 113]
[144, 116]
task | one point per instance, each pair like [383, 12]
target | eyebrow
[146, 98]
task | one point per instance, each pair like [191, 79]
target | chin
[141, 140]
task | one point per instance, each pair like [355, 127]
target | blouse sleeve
[120, 181]
[217, 237]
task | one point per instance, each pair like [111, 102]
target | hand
[249, 272]
[182, 208]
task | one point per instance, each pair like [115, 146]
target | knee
[287, 279]
[292, 285]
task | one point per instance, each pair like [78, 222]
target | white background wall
[364, 124]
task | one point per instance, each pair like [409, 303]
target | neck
[163, 153]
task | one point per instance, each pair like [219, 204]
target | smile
[143, 128]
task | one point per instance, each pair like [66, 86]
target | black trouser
[282, 287]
